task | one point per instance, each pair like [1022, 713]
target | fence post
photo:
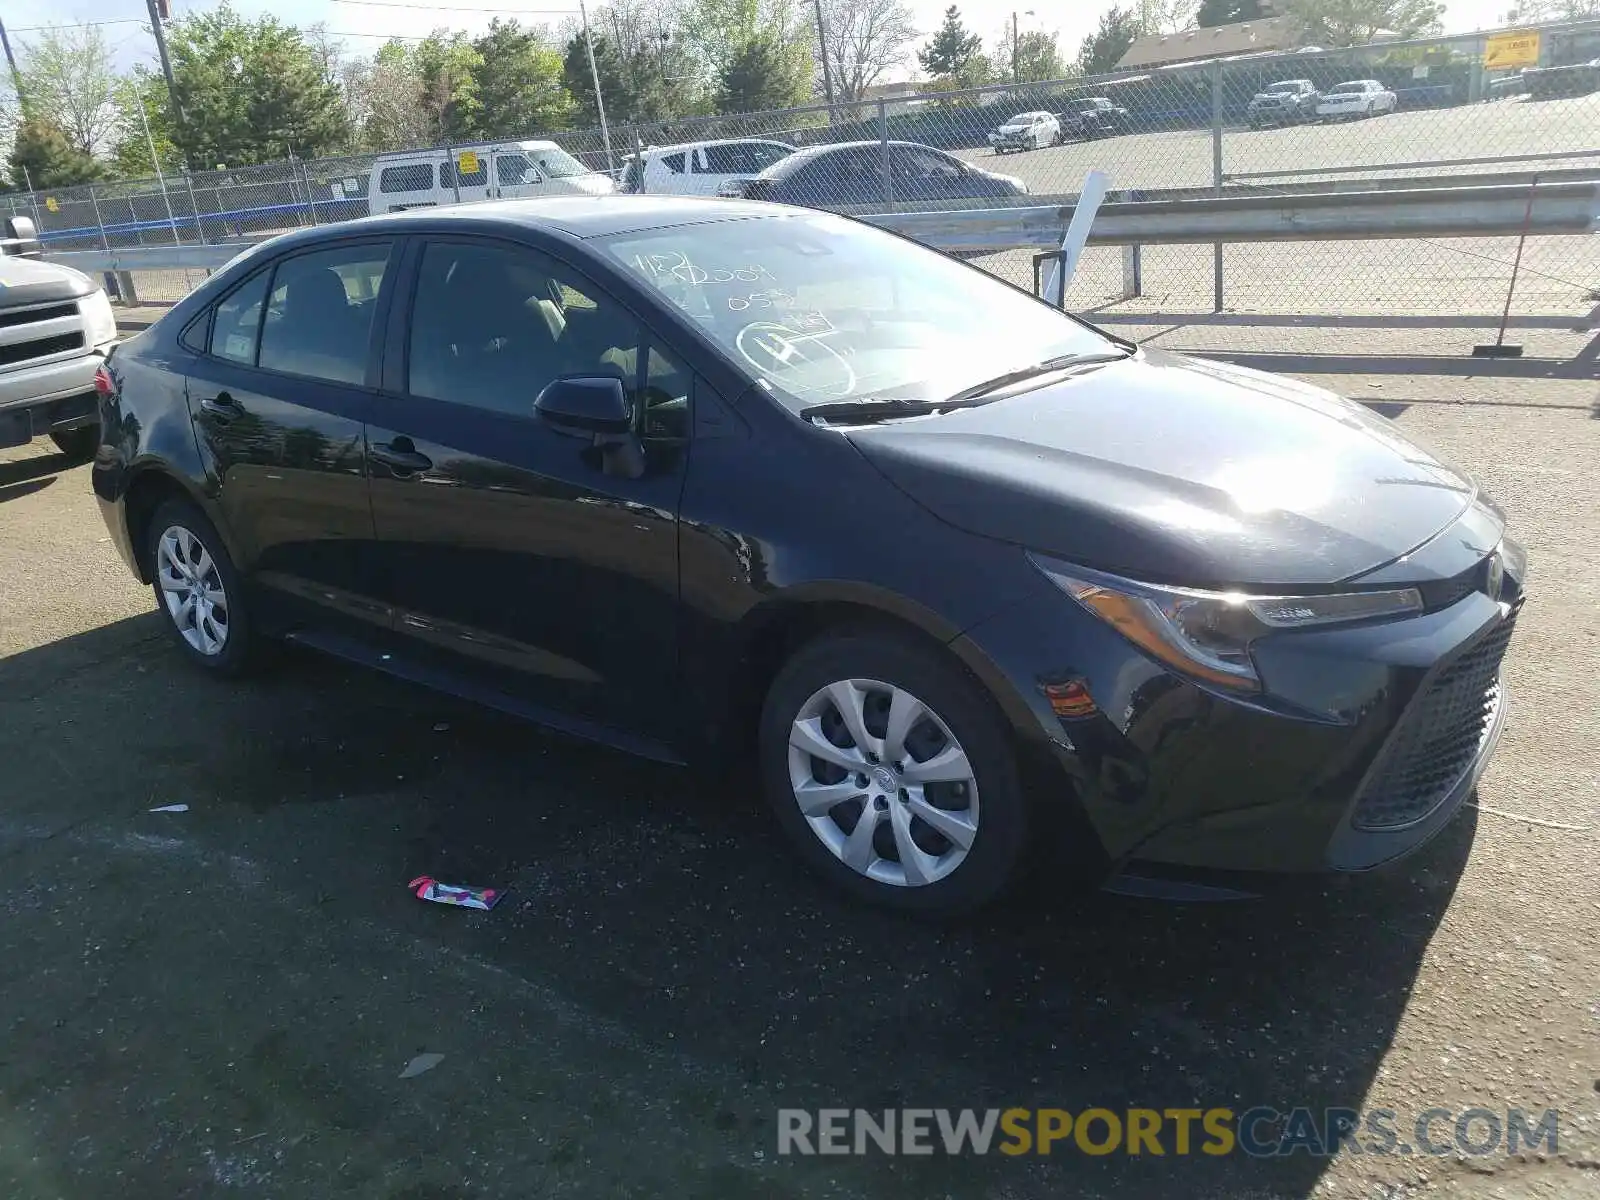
[1132, 260]
[638, 158]
[98, 223]
[883, 141]
[1216, 178]
[311, 203]
[194, 204]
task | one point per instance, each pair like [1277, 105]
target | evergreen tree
[44, 156]
[951, 52]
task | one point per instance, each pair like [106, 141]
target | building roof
[1220, 41]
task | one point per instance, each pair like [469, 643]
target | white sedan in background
[1026, 131]
[1356, 98]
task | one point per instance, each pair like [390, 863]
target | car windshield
[820, 309]
[556, 163]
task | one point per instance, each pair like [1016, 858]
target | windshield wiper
[1060, 363]
[871, 408]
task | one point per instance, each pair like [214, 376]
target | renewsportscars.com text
[1260, 1132]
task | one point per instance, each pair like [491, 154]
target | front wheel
[892, 775]
[198, 591]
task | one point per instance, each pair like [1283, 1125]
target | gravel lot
[222, 1001]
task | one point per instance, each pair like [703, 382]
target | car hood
[30, 281]
[1178, 470]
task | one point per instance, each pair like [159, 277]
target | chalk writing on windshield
[676, 266]
[801, 361]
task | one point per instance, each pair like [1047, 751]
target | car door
[510, 554]
[464, 175]
[278, 404]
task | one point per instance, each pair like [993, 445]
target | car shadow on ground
[665, 902]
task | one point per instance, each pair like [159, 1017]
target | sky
[364, 26]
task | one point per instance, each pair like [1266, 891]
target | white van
[699, 168]
[488, 171]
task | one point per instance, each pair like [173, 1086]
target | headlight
[100, 323]
[1207, 635]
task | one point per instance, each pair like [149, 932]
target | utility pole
[16, 75]
[1016, 57]
[827, 71]
[159, 12]
[594, 72]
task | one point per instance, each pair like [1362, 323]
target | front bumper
[1300, 779]
[50, 396]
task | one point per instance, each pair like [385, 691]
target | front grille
[39, 348]
[31, 316]
[1439, 738]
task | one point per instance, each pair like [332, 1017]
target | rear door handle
[401, 456]
[222, 406]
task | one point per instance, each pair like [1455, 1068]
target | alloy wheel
[883, 782]
[192, 590]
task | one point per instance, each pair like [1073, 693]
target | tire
[958, 726]
[78, 444]
[175, 530]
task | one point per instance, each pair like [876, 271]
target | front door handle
[401, 456]
[222, 406]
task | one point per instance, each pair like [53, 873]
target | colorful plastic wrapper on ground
[428, 888]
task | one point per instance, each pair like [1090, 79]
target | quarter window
[410, 177]
[237, 326]
[319, 318]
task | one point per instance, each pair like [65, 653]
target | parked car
[56, 326]
[700, 168]
[681, 475]
[1092, 117]
[862, 173]
[1572, 79]
[1287, 102]
[485, 171]
[1356, 98]
[1026, 131]
[1511, 84]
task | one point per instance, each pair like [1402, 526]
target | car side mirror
[585, 404]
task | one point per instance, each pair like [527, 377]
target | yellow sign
[468, 162]
[50, 203]
[1505, 51]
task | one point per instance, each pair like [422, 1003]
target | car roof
[805, 154]
[456, 148]
[675, 147]
[572, 216]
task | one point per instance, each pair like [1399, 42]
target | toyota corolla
[679, 475]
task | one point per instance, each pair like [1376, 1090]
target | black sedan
[873, 174]
[682, 475]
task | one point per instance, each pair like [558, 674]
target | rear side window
[237, 326]
[447, 174]
[319, 318]
[409, 177]
[513, 168]
[739, 158]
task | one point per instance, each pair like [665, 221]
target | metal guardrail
[1545, 208]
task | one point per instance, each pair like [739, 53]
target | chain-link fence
[1263, 124]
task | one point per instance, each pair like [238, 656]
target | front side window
[237, 325]
[319, 317]
[820, 309]
[556, 163]
[491, 325]
[410, 177]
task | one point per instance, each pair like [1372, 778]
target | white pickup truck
[56, 325]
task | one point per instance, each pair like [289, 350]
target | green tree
[44, 156]
[519, 82]
[634, 86]
[1104, 48]
[250, 91]
[761, 76]
[1037, 58]
[68, 76]
[447, 67]
[1212, 13]
[952, 50]
[1336, 23]
[130, 153]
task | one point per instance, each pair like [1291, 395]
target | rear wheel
[77, 444]
[198, 591]
[892, 775]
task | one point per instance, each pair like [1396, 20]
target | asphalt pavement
[222, 1001]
